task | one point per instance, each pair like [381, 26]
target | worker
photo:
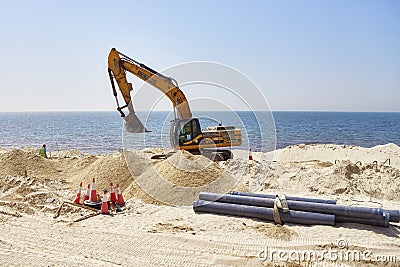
[42, 151]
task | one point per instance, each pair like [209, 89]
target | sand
[179, 179]
[311, 169]
[157, 231]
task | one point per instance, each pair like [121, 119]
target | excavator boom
[119, 63]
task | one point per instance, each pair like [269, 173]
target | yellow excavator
[186, 133]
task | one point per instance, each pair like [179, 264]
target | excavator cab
[185, 132]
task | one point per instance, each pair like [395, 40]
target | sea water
[103, 132]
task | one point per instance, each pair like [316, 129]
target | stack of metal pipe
[308, 211]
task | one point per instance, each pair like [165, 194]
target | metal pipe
[316, 200]
[266, 214]
[358, 212]
[394, 215]
[383, 221]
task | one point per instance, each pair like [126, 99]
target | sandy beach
[200, 133]
[149, 232]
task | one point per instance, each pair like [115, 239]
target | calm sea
[103, 132]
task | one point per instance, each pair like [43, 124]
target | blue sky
[303, 55]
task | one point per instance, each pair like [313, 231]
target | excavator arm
[119, 63]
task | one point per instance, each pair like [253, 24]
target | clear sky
[304, 55]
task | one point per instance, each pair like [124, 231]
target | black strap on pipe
[279, 203]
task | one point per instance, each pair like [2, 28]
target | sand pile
[332, 153]
[249, 173]
[21, 163]
[181, 170]
[295, 176]
[111, 167]
[138, 162]
[188, 170]
[179, 179]
[105, 169]
[73, 169]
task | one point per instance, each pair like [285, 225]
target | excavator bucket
[133, 124]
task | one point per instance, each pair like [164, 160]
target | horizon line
[108, 110]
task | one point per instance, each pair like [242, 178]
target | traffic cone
[78, 194]
[113, 197]
[250, 155]
[120, 198]
[104, 203]
[93, 194]
[86, 197]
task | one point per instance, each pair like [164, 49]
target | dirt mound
[351, 179]
[135, 191]
[74, 169]
[251, 173]
[132, 170]
[179, 179]
[321, 177]
[188, 170]
[105, 169]
[20, 163]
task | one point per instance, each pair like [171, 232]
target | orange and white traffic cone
[86, 197]
[250, 155]
[78, 195]
[104, 203]
[113, 197]
[120, 198]
[93, 194]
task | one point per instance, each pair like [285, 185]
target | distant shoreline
[242, 152]
[273, 111]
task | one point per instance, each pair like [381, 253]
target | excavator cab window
[185, 133]
[196, 130]
[188, 130]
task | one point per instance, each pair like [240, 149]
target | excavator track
[214, 155]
